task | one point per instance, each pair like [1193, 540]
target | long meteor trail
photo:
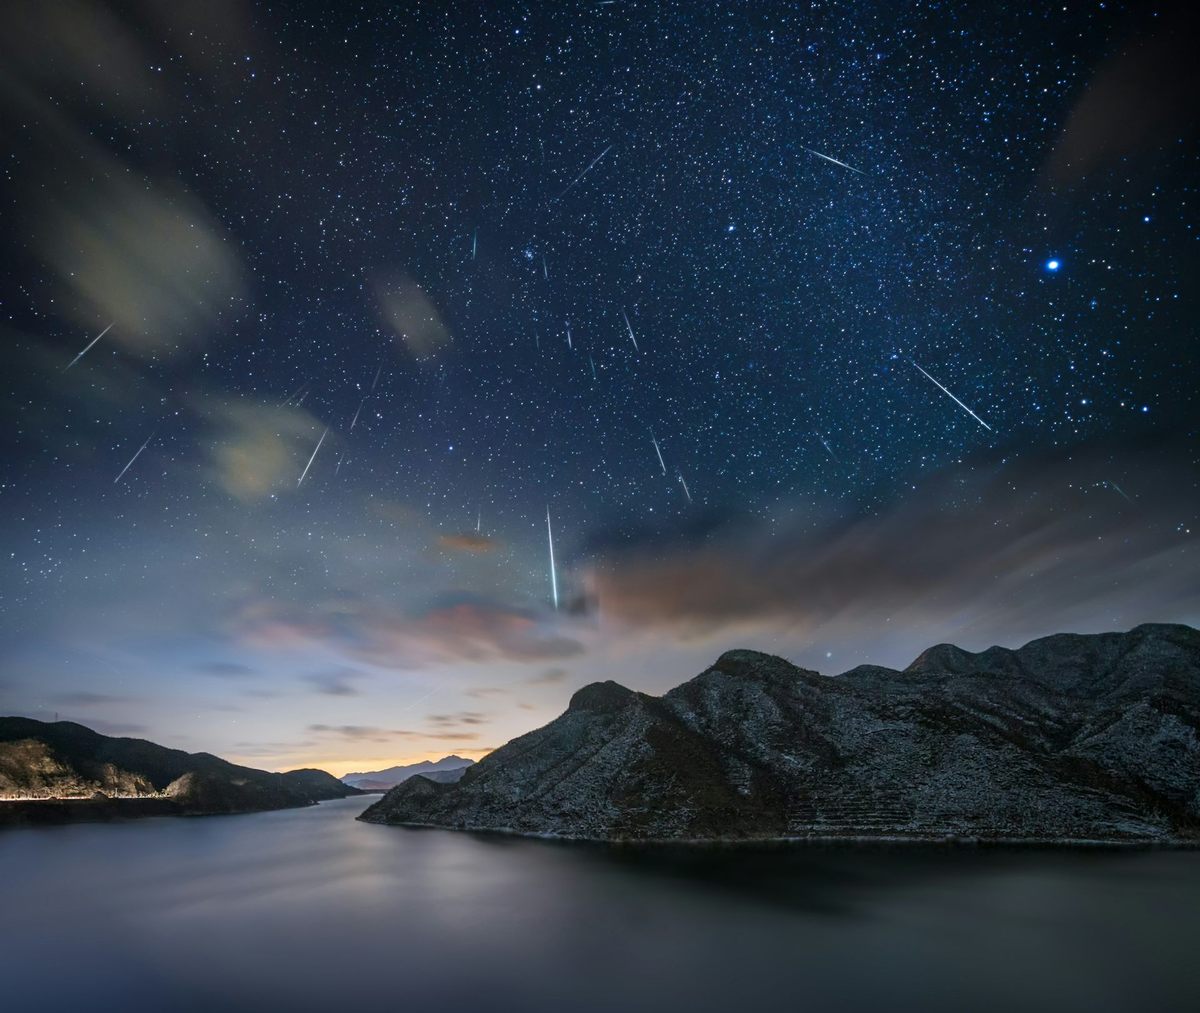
[630, 330]
[313, 458]
[134, 458]
[89, 346]
[835, 161]
[591, 165]
[662, 463]
[553, 574]
[954, 399]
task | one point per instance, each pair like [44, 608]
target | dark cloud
[359, 733]
[456, 630]
[551, 676]
[367, 733]
[338, 682]
[486, 692]
[1146, 95]
[468, 541]
[1042, 543]
[459, 718]
[227, 669]
[84, 698]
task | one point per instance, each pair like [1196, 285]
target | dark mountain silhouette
[120, 776]
[447, 769]
[1068, 738]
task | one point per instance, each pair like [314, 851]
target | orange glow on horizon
[341, 766]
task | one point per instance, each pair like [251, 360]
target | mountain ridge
[1069, 737]
[45, 765]
[389, 777]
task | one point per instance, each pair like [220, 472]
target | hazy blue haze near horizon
[310, 910]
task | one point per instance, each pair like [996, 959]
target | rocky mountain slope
[447, 769]
[63, 760]
[1068, 738]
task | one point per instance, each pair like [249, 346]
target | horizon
[342, 767]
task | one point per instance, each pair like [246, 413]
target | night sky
[834, 330]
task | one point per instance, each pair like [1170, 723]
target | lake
[309, 910]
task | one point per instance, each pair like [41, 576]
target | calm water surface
[309, 910]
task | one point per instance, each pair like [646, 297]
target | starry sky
[835, 330]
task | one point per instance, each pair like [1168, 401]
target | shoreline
[951, 841]
[52, 812]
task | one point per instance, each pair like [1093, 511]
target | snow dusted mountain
[1068, 738]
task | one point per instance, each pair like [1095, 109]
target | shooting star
[313, 458]
[479, 520]
[89, 346]
[592, 363]
[420, 699]
[835, 161]
[1116, 488]
[474, 243]
[338, 467]
[825, 444]
[376, 380]
[545, 270]
[630, 330]
[683, 482]
[659, 452]
[134, 458]
[569, 345]
[553, 574]
[356, 414]
[955, 400]
[591, 165]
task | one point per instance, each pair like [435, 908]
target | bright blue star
[1052, 265]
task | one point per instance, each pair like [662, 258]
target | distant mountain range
[447, 770]
[1069, 738]
[103, 777]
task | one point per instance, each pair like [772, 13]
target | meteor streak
[89, 346]
[954, 399]
[835, 161]
[661, 462]
[313, 458]
[553, 574]
[683, 482]
[630, 330]
[1116, 488]
[591, 165]
[825, 444]
[569, 345]
[376, 380]
[474, 243]
[134, 458]
[592, 363]
[356, 414]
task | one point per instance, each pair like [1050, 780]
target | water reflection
[309, 910]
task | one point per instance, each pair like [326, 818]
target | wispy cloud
[337, 682]
[1042, 543]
